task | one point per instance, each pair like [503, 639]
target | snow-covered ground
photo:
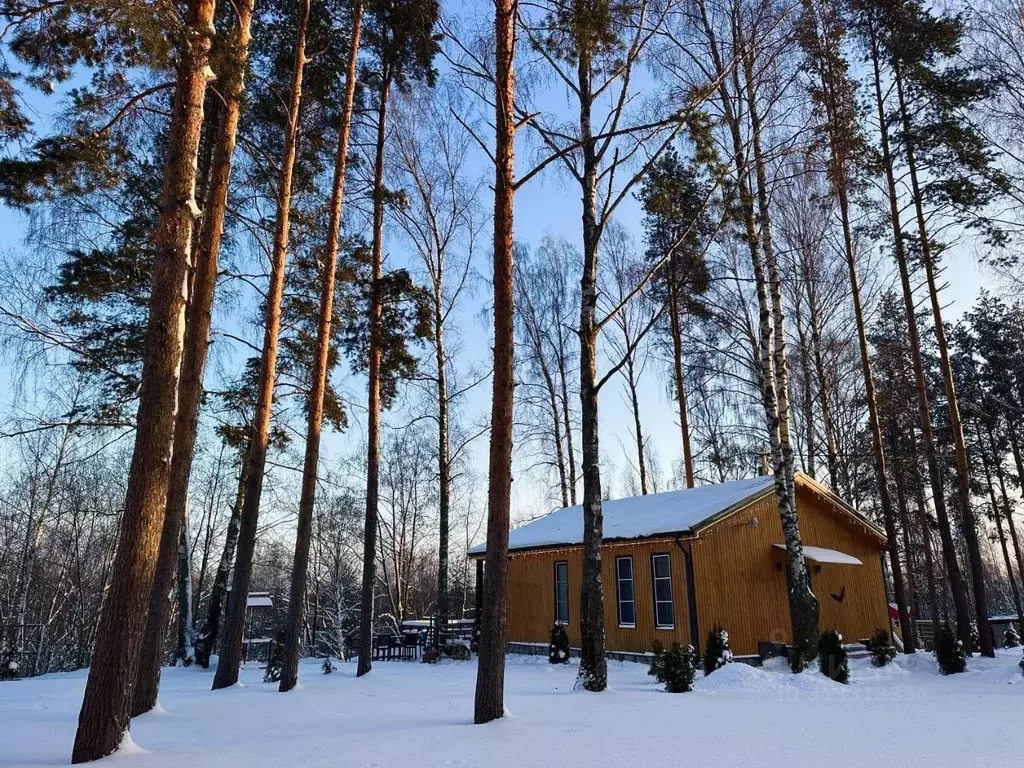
[408, 714]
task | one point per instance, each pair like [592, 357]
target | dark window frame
[654, 591]
[560, 621]
[618, 592]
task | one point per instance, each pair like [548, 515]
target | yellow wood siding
[740, 580]
[741, 576]
[531, 610]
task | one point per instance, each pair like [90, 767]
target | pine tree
[678, 227]
[558, 648]
[315, 402]
[230, 659]
[949, 652]
[400, 36]
[489, 697]
[832, 659]
[716, 650]
[106, 706]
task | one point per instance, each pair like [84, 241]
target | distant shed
[676, 564]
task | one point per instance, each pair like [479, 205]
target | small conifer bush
[328, 666]
[880, 649]
[272, 674]
[1011, 637]
[949, 652]
[675, 667]
[10, 668]
[716, 651]
[474, 640]
[832, 659]
[558, 648]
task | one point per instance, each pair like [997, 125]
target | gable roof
[637, 517]
[682, 512]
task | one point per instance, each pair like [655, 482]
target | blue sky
[549, 204]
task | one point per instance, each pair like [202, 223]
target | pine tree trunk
[206, 643]
[680, 381]
[315, 402]
[373, 394]
[234, 625]
[914, 608]
[926, 535]
[1015, 447]
[1008, 510]
[106, 706]
[489, 700]
[838, 162]
[970, 524]
[593, 671]
[958, 587]
[986, 465]
[196, 344]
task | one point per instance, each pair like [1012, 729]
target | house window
[562, 592]
[624, 581]
[664, 612]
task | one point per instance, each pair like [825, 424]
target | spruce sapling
[716, 651]
[832, 659]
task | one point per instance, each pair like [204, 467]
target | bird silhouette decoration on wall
[841, 596]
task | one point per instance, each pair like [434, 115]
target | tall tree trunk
[197, 340]
[638, 432]
[831, 455]
[315, 402]
[963, 476]
[234, 625]
[489, 700]
[206, 642]
[373, 393]
[808, 392]
[803, 604]
[106, 706]
[680, 381]
[570, 451]
[957, 586]
[986, 462]
[904, 511]
[593, 671]
[186, 629]
[1015, 447]
[838, 161]
[444, 477]
[1008, 510]
[926, 539]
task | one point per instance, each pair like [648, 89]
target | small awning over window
[823, 555]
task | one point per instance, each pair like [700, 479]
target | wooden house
[676, 564]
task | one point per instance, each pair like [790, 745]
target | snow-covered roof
[638, 517]
[259, 600]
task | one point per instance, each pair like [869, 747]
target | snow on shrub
[832, 659]
[474, 642]
[675, 667]
[949, 652]
[10, 669]
[558, 648]
[328, 666]
[880, 649]
[716, 651]
[1011, 638]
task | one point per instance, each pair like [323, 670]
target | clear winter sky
[549, 204]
